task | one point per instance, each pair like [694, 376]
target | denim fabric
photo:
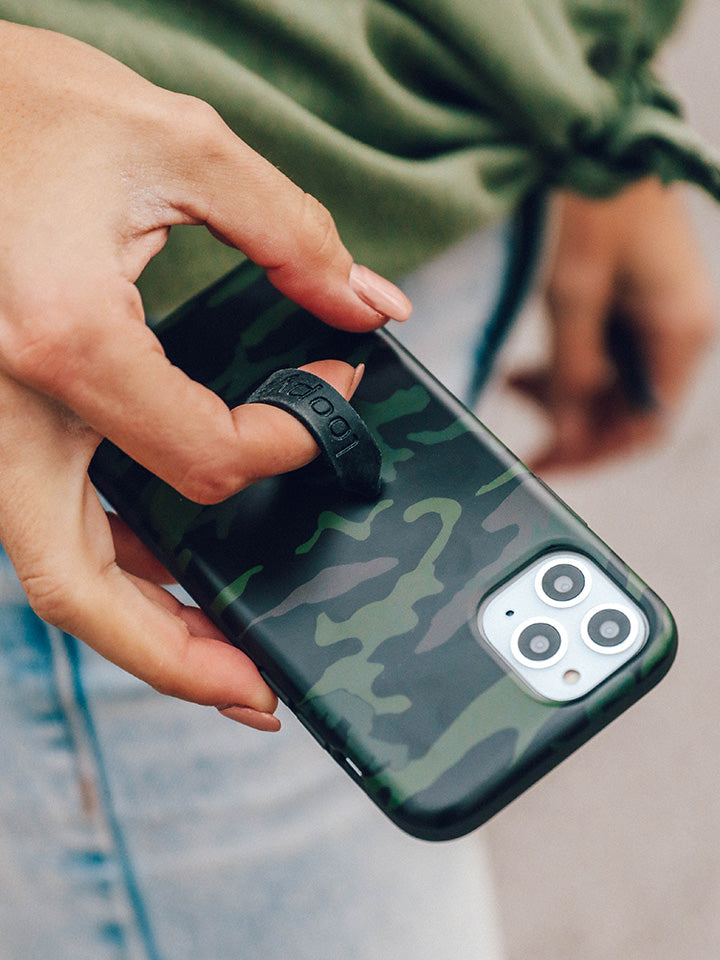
[136, 827]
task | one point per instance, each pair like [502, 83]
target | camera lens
[538, 644]
[609, 628]
[562, 583]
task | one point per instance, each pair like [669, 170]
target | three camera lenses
[562, 625]
[563, 583]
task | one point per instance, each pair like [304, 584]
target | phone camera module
[562, 584]
[609, 630]
[539, 643]
[561, 626]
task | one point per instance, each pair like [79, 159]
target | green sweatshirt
[413, 121]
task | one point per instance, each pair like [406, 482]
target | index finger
[218, 180]
[113, 373]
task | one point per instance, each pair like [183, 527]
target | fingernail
[252, 718]
[357, 377]
[379, 293]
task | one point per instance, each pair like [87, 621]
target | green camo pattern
[363, 615]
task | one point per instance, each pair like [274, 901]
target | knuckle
[209, 483]
[170, 685]
[44, 358]
[199, 119]
[53, 598]
[316, 222]
[46, 349]
[174, 676]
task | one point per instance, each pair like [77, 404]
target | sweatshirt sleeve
[414, 121]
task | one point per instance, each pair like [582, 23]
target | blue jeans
[136, 827]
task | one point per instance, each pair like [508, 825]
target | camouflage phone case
[363, 616]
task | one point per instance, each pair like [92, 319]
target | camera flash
[571, 676]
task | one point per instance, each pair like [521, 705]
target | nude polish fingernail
[251, 718]
[379, 293]
[357, 377]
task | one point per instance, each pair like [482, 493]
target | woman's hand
[98, 164]
[633, 256]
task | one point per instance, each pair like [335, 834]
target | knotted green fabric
[414, 121]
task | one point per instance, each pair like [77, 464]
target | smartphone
[448, 642]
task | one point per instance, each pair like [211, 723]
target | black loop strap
[339, 431]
